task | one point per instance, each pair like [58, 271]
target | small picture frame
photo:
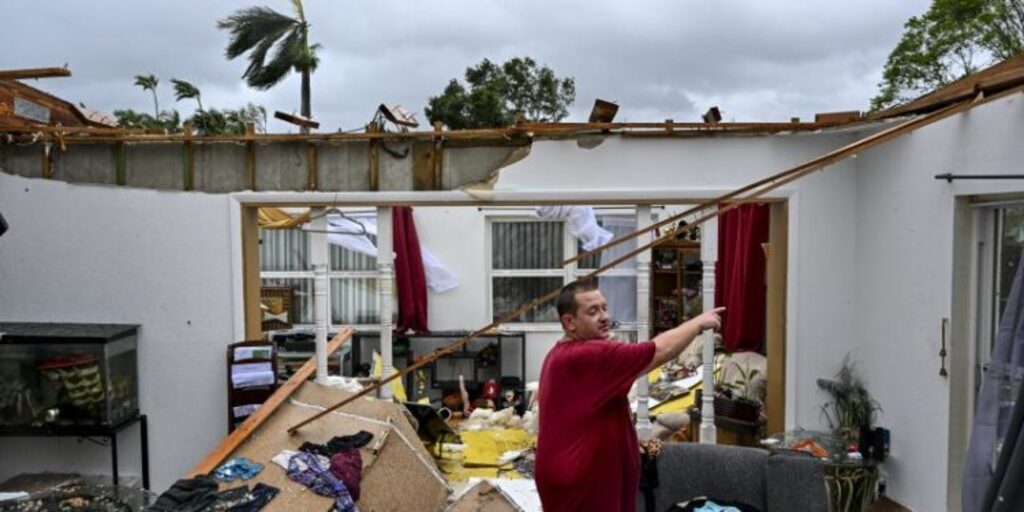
[276, 307]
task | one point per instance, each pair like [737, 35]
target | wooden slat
[23, 74]
[253, 422]
[120, 164]
[188, 162]
[312, 172]
[47, 163]
[250, 158]
[374, 157]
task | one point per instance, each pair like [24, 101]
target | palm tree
[148, 83]
[183, 90]
[256, 30]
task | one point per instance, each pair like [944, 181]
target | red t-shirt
[587, 453]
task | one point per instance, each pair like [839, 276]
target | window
[526, 257]
[284, 257]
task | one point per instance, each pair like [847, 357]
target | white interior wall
[158, 259]
[904, 274]
[821, 321]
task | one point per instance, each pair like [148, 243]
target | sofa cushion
[728, 473]
[796, 481]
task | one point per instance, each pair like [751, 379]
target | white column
[385, 282]
[318, 259]
[643, 313]
[708, 255]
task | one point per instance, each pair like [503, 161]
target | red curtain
[740, 276]
[409, 276]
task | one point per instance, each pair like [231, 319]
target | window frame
[332, 275]
[568, 273]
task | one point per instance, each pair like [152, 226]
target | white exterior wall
[904, 275]
[162, 260]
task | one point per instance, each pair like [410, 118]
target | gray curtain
[995, 457]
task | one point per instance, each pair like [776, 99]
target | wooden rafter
[23, 74]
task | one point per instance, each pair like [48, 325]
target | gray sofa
[771, 482]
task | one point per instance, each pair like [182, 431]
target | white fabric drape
[582, 223]
[351, 233]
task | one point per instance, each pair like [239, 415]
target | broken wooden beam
[23, 74]
[299, 121]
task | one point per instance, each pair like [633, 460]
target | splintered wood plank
[221, 452]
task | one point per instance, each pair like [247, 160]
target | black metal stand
[110, 433]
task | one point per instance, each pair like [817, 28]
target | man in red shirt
[587, 452]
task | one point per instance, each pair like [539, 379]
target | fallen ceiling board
[399, 481]
[325, 396]
[271, 438]
[397, 478]
[483, 497]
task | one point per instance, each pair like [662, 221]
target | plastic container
[57, 375]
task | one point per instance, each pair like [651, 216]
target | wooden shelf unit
[676, 277]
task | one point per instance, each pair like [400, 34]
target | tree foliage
[229, 122]
[496, 95]
[149, 83]
[185, 90]
[169, 121]
[954, 38]
[257, 30]
[205, 122]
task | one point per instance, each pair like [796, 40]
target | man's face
[591, 320]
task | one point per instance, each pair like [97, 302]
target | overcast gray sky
[758, 60]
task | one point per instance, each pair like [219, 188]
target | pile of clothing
[333, 469]
[200, 494]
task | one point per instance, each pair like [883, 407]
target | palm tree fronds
[288, 56]
[147, 82]
[248, 27]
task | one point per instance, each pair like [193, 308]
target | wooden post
[775, 328]
[47, 162]
[120, 164]
[250, 157]
[643, 317]
[188, 158]
[438, 157]
[374, 156]
[251, 272]
[312, 173]
[385, 281]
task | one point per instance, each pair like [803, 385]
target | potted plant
[850, 408]
[736, 399]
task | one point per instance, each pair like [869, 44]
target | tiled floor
[887, 505]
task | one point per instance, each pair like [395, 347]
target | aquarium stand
[89, 431]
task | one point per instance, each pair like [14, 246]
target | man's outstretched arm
[669, 344]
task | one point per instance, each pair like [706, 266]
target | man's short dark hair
[566, 303]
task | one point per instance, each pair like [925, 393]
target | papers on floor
[251, 375]
[691, 381]
[522, 491]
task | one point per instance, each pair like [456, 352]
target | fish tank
[65, 375]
